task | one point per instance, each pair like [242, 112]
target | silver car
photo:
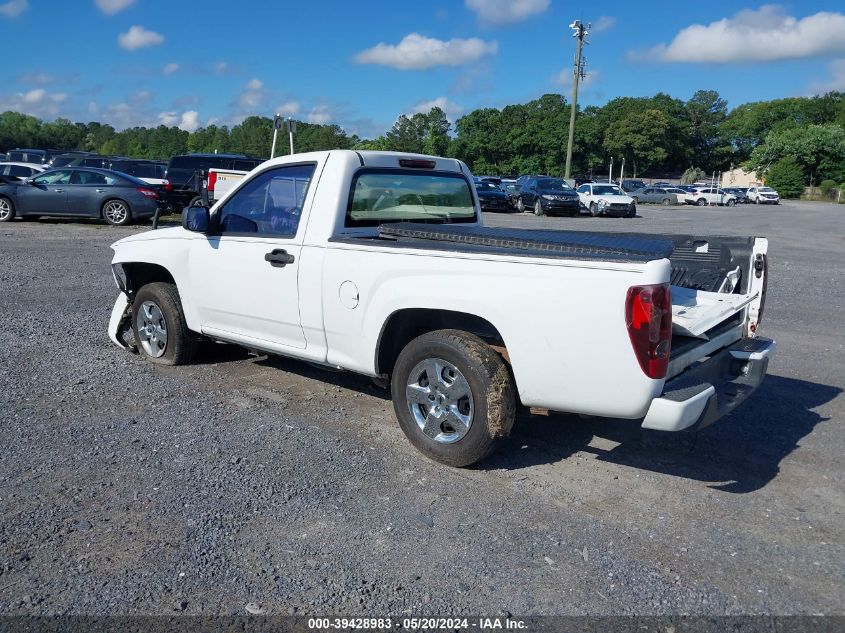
[656, 195]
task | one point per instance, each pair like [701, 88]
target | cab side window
[270, 204]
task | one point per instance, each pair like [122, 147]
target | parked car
[763, 195]
[741, 193]
[182, 174]
[546, 195]
[606, 199]
[629, 185]
[3, 157]
[80, 192]
[512, 190]
[654, 195]
[491, 197]
[20, 171]
[378, 263]
[36, 156]
[707, 195]
[68, 158]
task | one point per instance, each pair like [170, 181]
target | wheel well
[139, 274]
[405, 325]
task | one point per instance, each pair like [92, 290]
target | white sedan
[20, 170]
[606, 199]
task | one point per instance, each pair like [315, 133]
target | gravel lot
[127, 488]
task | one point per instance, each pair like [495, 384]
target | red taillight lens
[168, 186]
[648, 315]
[212, 180]
[149, 193]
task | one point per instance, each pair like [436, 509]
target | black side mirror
[196, 219]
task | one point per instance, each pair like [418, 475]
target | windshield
[399, 196]
[606, 190]
[552, 183]
[486, 186]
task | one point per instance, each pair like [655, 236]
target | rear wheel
[757, 200]
[701, 202]
[665, 202]
[538, 207]
[7, 209]
[159, 325]
[453, 396]
[116, 212]
[730, 203]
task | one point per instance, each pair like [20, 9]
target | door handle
[279, 258]
[99, 190]
[59, 190]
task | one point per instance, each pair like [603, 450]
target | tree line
[656, 136]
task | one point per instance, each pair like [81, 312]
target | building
[738, 177]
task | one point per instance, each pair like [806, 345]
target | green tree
[786, 177]
[819, 150]
[692, 175]
[640, 138]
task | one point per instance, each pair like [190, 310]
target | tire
[730, 203]
[484, 404]
[665, 202]
[7, 209]
[538, 207]
[701, 202]
[594, 209]
[520, 205]
[632, 213]
[157, 310]
[757, 200]
[116, 212]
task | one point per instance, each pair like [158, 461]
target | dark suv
[37, 156]
[547, 195]
[182, 173]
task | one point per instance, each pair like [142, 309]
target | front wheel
[116, 213]
[7, 210]
[665, 202]
[453, 396]
[701, 202]
[730, 203]
[594, 209]
[520, 205]
[158, 322]
[538, 207]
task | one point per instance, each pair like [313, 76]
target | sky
[362, 63]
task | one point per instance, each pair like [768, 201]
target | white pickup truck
[378, 263]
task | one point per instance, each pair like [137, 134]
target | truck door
[246, 278]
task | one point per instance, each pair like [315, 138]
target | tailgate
[718, 288]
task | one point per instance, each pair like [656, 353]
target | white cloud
[320, 114]
[13, 8]
[836, 83]
[452, 110]
[221, 67]
[764, 35]
[139, 37]
[170, 68]
[418, 52]
[604, 23]
[289, 108]
[110, 7]
[253, 94]
[188, 120]
[37, 102]
[36, 78]
[506, 11]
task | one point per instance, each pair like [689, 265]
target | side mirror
[196, 219]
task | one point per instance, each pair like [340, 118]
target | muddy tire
[158, 323]
[454, 396]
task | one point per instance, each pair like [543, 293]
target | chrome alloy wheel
[440, 400]
[115, 212]
[152, 329]
[5, 209]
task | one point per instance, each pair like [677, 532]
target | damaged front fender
[120, 329]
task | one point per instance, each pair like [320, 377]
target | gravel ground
[132, 489]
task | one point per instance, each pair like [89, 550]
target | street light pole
[579, 31]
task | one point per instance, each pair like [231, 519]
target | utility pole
[579, 32]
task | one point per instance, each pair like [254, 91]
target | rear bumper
[704, 393]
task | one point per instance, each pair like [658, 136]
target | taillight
[149, 193]
[648, 315]
[212, 180]
[168, 186]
